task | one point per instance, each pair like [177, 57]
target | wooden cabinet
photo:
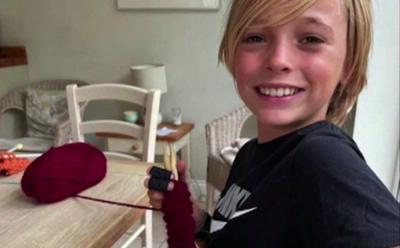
[12, 56]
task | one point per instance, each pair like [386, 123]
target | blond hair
[359, 36]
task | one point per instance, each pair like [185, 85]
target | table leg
[106, 144]
[185, 152]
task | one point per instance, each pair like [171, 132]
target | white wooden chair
[149, 99]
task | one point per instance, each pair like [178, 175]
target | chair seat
[30, 144]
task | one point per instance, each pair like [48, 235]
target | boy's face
[287, 74]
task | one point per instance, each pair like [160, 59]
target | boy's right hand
[156, 196]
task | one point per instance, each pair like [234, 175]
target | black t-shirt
[309, 188]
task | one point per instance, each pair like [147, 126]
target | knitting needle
[23, 155]
[167, 160]
[17, 147]
[170, 160]
[7, 156]
[173, 161]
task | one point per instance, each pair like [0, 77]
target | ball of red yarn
[178, 216]
[64, 171]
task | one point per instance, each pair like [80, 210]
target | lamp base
[159, 118]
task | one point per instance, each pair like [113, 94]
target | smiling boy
[299, 66]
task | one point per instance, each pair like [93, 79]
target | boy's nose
[278, 57]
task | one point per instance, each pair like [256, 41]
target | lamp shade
[150, 77]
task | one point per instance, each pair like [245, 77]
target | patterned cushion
[44, 109]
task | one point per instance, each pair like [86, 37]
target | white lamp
[150, 77]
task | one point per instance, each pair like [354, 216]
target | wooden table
[179, 139]
[74, 222]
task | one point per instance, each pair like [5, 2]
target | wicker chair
[220, 133]
[15, 100]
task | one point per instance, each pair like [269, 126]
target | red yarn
[64, 171]
[177, 209]
[178, 216]
[67, 170]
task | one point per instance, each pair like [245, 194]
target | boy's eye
[311, 40]
[253, 39]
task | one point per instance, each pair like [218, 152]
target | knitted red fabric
[178, 216]
[64, 171]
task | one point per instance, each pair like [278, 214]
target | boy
[299, 67]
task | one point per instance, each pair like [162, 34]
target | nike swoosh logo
[242, 212]
[217, 225]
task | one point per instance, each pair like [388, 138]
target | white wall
[377, 119]
[11, 77]
[93, 41]
[11, 123]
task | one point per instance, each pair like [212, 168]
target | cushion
[229, 153]
[64, 171]
[44, 110]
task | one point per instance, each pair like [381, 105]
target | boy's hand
[156, 196]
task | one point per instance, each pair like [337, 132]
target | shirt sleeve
[338, 200]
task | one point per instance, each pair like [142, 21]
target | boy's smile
[287, 74]
[279, 90]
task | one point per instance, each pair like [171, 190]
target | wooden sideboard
[12, 56]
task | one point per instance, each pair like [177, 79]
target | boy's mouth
[278, 91]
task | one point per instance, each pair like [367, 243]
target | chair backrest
[221, 132]
[149, 99]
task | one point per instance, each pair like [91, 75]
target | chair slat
[112, 126]
[110, 92]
